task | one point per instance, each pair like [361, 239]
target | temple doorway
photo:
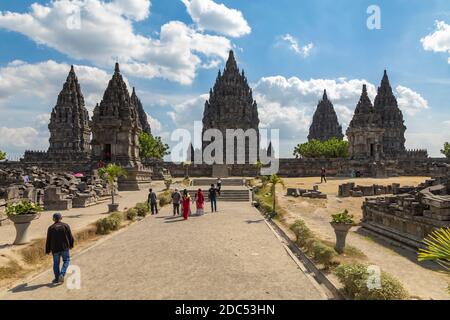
[107, 153]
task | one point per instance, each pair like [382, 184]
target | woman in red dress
[186, 203]
[200, 202]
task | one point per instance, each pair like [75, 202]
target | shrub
[142, 209]
[165, 198]
[302, 232]
[11, 270]
[132, 214]
[85, 234]
[35, 252]
[168, 183]
[342, 218]
[322, 253]
[355, 277]
[109, 224]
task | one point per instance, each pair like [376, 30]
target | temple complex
[231, 106]
[325, 123]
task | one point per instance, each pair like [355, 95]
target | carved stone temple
[231, 106]
[392, 118]
[116, 127]
[325, 123]
[365, 132]
[69, 122]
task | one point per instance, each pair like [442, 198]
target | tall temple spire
[117, 68]
[325, 124]
[392, 118]
[231, 105]
[141, 112]
[231, 65]
[69, 121]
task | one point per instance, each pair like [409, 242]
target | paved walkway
[227, 255]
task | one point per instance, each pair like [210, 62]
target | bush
[302, 232]
[35, 252]
[142, 209]
[165, 198]
[355, 277]
[332, 148]
[322, 253]
[132, 214]
[109, 224]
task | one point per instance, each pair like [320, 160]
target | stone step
[225, 182]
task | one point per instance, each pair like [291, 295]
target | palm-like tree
[258, 166]
[438, 248]
[274, 180]
[186, 165]
[110, 174]
[2, 155]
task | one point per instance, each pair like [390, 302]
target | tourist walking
[153, 202]
[176, 199]
[323, 175]
[200, 202]
[186, 203]
[212, 195]
[219, 185]
[59, 242]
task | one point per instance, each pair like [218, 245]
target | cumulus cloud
[36, 86]
[288, 104]
[184, 114]
[102, 32]
[209, 15]
[410, 101]
[439, 40]
[294, 45]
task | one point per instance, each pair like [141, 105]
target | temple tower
[365, 132]
[231, 106]
[392, 118]
[116, 126]
[69, 123]
[325, 124]
[141, 113]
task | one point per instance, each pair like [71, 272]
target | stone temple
[231, 106]
[365, 132]
[325, 123]
[78, 144]
[392, 119]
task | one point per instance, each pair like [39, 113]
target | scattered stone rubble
[314, 193]
[54, 191]
[409, 217]
[352, 190]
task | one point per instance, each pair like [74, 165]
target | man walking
[212, 194]
[323, 175]
[176, 198]
[59, 242]
[152, 202]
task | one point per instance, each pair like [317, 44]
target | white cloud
[185, 113]
[36, 86]
[439, 40]
[410, 101]
[105, 32]
[295, 46]
[209, 15]
[155, 125]
[19, 139]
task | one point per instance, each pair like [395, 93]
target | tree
[332, 148]
[446, 150]
[110, 174]
[2, 155]
[274, 180]
[438, 248]
[152, 147]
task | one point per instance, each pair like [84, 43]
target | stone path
[227, 255]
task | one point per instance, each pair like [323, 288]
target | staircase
[227, 195]
[225, 182]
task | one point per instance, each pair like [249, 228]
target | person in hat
[59, 242]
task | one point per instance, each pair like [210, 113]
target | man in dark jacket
[212, 194]
[59, 243]
[152, 201]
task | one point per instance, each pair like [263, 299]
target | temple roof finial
[231, 62]
[117, 68]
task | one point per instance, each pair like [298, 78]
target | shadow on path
[25, 287]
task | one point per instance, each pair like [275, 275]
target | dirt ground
[420, 279]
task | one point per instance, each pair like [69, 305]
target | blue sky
[171, 51]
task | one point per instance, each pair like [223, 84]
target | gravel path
[227, 255]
